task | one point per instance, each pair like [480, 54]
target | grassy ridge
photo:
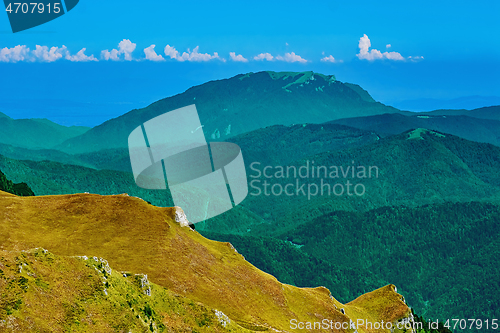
[137, 237]
[43, 292]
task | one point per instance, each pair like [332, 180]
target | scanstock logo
[205, 179]
[24, 15]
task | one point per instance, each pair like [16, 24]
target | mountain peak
[306, 75]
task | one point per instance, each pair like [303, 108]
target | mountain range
[427, 215]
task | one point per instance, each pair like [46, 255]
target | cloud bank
[42, 54]
[288, 57]
[238, 58]
[152, 55]
[365, 53]
[171, 52]
[125, 48]
[374, 54]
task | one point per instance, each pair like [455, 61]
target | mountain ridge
[178, 259]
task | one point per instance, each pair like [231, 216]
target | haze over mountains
[35, 133]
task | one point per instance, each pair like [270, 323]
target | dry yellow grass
[137, 237]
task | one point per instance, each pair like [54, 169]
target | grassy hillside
[241, 104]
[35, 133]
[44, 292]
[139, 238]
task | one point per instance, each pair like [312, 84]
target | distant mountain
[491, 112]
[465, 126]
[193, 280]
[109, 159]
[21, 189]
[428, 104]
[35, 133]
[241, 104]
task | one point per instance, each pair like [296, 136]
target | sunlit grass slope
[140, 238]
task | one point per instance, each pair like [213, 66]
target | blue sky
[396, 50]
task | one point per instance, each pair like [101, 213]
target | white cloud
[238, 57]
[80, 56]
[171, 52]
[125, 47]
[152, 55]
[374, 54]
[388, 46]
[393, 56]
[264, 56]
[291, 57]
[330, 58]
[107, 55]
[14, 54]
[44, 54]
[416, 58]
[190, 56]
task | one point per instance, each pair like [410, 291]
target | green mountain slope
[280, 143]
[241, 104]
[109, 159]
[284, 144]
[414, 168]
[35, 133]
[21, 189]
[53, 178]
[444, 257]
